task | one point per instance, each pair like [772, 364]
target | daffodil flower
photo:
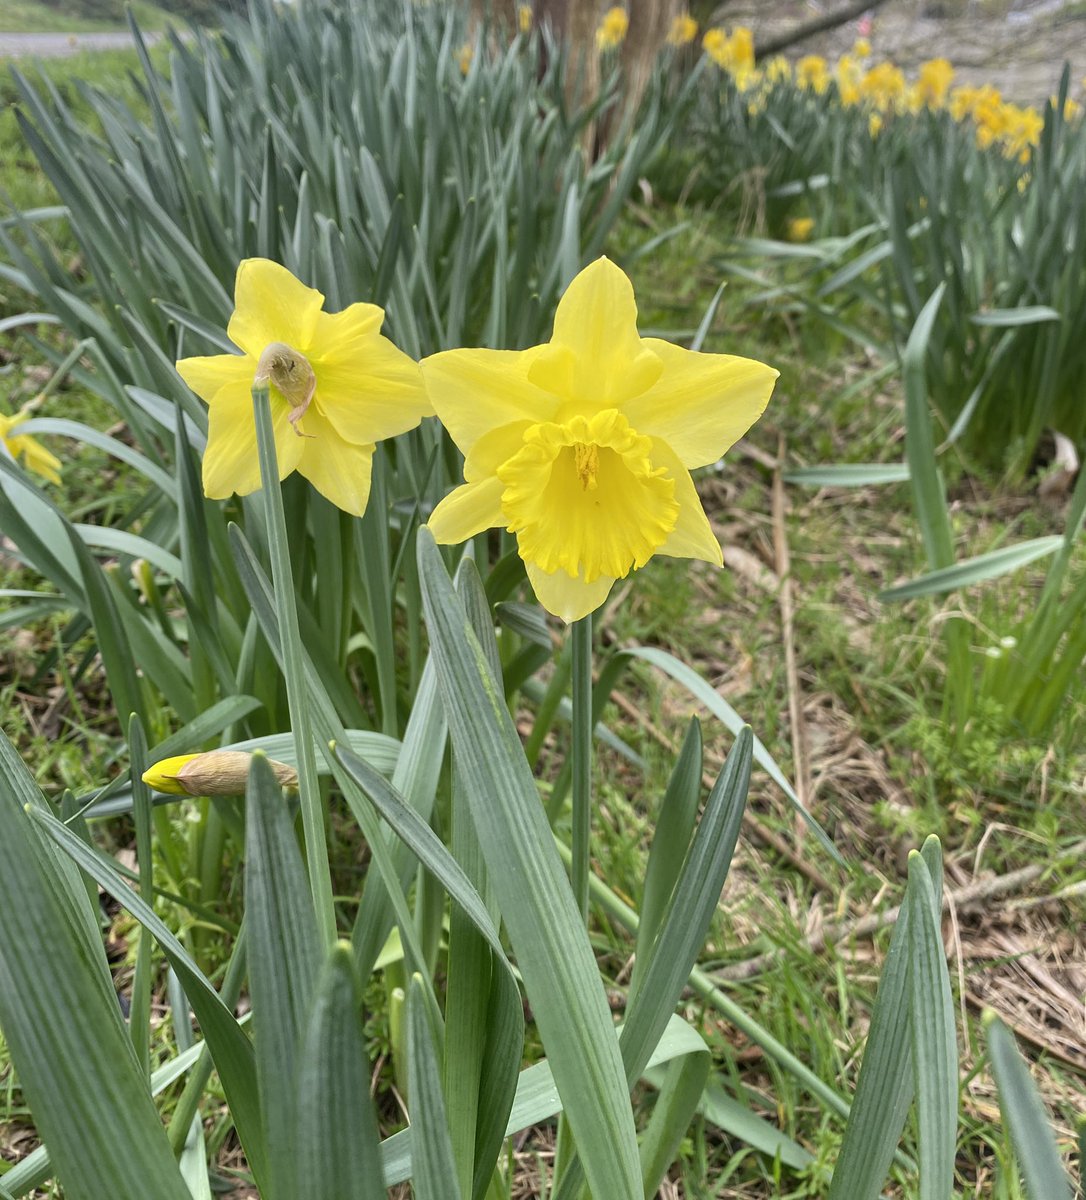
[26, 449]
[583, 447]
[337, 387]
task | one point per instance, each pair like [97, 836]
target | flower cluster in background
[884, 90]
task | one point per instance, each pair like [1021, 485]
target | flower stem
[316, 846]
[582, 758]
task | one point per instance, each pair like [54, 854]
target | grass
[33, 16]
[883, 774]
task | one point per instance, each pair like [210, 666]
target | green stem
[581, 755]
[316, 846]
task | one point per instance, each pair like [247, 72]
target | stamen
[587, 461]
[292, 377]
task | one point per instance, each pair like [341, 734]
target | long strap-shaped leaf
[227, 1041]
[338, 1154]
[88, 1095]
[433, 1174]
[1024, 1111]
[284, 959]
[553, 952]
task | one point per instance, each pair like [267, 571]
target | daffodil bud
[216, 773]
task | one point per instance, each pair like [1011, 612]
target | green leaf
[1026, 314]
[1024, 1112]
[974, 570]
[935, 1048]
[848, 475]
[338, 1154]
[284, 960]
[89, 1098]
[433, 1173]
[884, 1089]
[670, 842]
[553, 952]
[228, 1043]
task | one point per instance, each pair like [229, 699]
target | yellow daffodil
[524, 17]
[715, 43]
[337, 387]
[583, 447]
[812, 74]
[26, 449]
[216, 773]
[1071, 108]
[932, 84]
[799, 228]
[861, 48]
[884, 86]
[874, 124]
[683, 30]
[848, 76]
[778, 69]
[612, 29]
[464, 56]
[1021, 132]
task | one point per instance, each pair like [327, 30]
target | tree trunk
[650, 23]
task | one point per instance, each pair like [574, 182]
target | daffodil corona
[337, 387]
[583, 447]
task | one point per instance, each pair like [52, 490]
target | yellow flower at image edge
[26, 449]
[583, 447]
[337, 387]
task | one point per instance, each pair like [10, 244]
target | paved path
[62, 45]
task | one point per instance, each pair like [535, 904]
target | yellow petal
[37, 459]
[231, 464]
[692, 536]
[370, 390]
[493, 449]
[570, 599]
[474, 391]
[205, 376]
[344, 334]
[270, 305]
[596, 357]
[338, 469]
[702, 404]
[468, 510]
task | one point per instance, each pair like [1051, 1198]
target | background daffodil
[26, 449]
[337, 387]
[583, 447]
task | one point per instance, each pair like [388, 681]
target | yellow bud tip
[987, 1016]
[163, 776]
[28, 809]
[332, 745]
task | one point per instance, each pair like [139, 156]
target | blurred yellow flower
[583, 447]
[715, 43]
[683, 30]
[1021, 131]
[26, 449]
[848, 74]
[612, 29]
[884, 86]
[874, 124]
[813, 74]
[861, 48]
[337, 387]
[932, 85]
[800, 228]
[1071, 108]
[778, 69]
[524, 17]
[464, 56]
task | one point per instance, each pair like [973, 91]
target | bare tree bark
[650, 23]
[827, 21]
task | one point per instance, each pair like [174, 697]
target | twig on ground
[786, 599]
[822, 24]
[964, 897]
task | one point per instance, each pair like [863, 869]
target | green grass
[32, 16]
